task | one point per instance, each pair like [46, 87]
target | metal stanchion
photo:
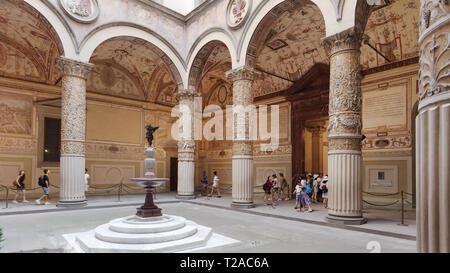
[120, 191]
[7, 193]
[403, 211]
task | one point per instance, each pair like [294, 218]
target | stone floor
[33, 228]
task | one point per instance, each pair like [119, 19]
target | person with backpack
[267, 187]
[44, 182]
[305, 200]
[275, 188]
[20, 186]
[204, 182]
[324, 188]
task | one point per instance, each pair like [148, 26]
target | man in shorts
[44, 182]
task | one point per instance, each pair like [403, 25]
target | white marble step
[125, 226]
[88, 243]
[104, 233]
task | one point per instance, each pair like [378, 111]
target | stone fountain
[149, 230]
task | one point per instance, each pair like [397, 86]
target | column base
[185, 197]
[346, 220]
[72, 204]
[237, 205]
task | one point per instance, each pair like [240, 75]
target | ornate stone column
[186, 145]
[242, 161]
[73, 131]
[344, 156]
[433, 129]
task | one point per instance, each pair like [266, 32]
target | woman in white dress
[215, 185]
[86, 180]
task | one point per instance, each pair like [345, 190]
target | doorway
[173, 174]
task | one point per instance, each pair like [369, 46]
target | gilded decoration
[242, 148]
[82, 11]
[434, 75]
[344, 144]
[345, 90]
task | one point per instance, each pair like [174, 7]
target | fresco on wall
[393, 31]
[16, 114]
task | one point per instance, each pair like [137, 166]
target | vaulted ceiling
[132, 68]
[28, 43]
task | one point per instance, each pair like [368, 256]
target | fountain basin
[149, 182]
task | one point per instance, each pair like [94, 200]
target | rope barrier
[381, 194]
[412, 204]
[381, 205]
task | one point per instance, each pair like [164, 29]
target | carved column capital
[349, 39]
[74, 68]
[434, 43]
[187, 94]
[242, 73]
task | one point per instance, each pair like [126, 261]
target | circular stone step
[104, 233]
[136, 226]
[136, 220]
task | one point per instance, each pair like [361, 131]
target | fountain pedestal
[149, 209]
[149, 182]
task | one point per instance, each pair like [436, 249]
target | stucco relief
[114, 151]
[387, 143]
[15, 145]
[16, 114]
[238, 12]
[82, 11]
[242, 148]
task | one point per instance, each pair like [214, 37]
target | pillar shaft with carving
[344, 156]
[433, 129]
[186, 146]
[242, 162]
[73, 131]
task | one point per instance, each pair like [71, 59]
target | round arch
[338, 15]
[100, 35]
[62, 30]
[201, 51]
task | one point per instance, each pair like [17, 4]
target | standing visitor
[20, 186]
[284, 187]
[44, 182]
[275, 188]
[305, 200]
[215, 185]
[324, 188]
[316, 185]
[204, 184]
[86, 181]
[297, 191]
[267, 187]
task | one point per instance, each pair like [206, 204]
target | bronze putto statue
[149, 134]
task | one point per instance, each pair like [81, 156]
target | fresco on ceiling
[16, 114]
[287, 44]
[393, 31]
[167, 90]
[15, 64]
[143, 68]
[28, 35]
[110, 79]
